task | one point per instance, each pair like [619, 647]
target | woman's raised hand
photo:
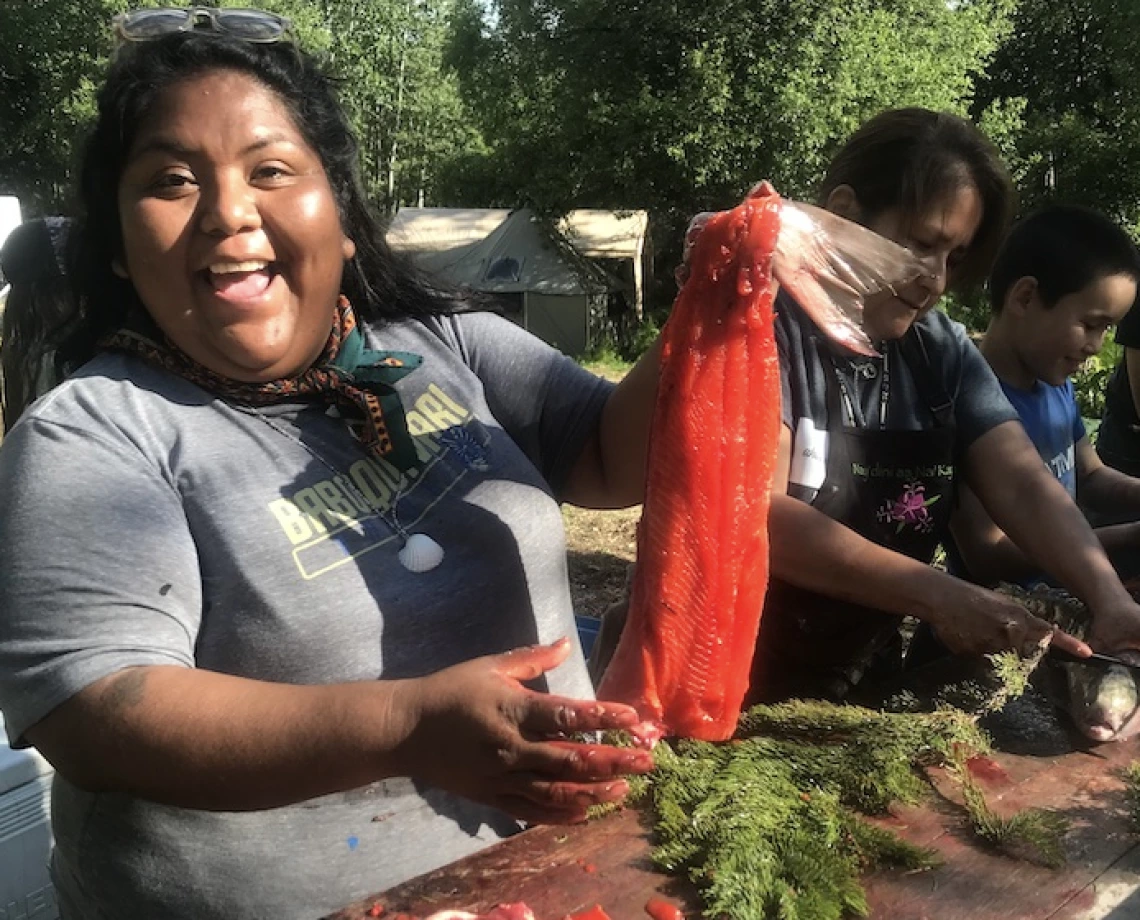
[478, 732]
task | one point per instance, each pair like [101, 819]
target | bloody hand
[478, 732]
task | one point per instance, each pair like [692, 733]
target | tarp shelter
[548, 284]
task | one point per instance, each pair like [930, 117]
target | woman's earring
[119, 269]
[348, 247]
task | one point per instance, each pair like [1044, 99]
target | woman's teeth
[227, 268]
[240, 281]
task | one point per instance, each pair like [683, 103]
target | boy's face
[1055, 341]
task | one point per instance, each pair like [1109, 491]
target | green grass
[606, 362]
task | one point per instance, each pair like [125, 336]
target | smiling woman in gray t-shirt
[283, 594]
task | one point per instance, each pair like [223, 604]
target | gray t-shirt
[960, 374]
[146, 522]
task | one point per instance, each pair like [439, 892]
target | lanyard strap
[851, 406]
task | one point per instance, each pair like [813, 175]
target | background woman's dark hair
[910, 159]
[1065, 247]
[40, 300]
[379, 284]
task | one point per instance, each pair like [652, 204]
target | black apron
[896, 488]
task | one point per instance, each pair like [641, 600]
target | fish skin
[684, 657]
[1103, 703]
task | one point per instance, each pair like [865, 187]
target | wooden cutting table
[560, 870]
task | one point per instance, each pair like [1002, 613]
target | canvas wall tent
[556, 289]
[617, 239]
[420, 230]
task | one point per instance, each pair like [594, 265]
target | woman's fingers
[570, 797]
[524, 809]
[584, 762]
[544, 716]
[523, 664]
[573, 762]
[1070, 643]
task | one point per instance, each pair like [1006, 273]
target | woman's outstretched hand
[478, 732]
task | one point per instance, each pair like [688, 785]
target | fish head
[1103, 701]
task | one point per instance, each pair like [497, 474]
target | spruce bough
[772, 823]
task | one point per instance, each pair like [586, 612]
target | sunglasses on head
[245, 24]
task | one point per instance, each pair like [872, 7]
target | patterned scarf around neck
[346, 373]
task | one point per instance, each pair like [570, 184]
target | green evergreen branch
[770, 824]
[1034, 834]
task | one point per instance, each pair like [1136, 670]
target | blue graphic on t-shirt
[1053, 422]
[466, 447]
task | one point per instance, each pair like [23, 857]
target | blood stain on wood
[986, 769]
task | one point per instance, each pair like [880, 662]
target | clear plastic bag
[829, 265]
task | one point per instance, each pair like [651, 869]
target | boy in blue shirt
[1064, 276]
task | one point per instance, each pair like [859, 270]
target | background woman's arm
[991, 556]
[812, 551]
[1025, 501]
[1101, 488]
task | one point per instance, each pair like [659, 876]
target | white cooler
[25, 835]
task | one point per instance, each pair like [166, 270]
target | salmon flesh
[684, 656]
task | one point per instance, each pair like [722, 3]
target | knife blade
[1096, 659]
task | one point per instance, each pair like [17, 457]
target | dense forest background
[674, 106]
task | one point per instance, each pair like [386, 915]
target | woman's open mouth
[240, 282]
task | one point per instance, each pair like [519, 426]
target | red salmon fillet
[702, 543]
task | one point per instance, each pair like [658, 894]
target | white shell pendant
[420, 553]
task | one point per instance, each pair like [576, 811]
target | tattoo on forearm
[126, 691]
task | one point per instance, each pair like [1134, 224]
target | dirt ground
[600, 544]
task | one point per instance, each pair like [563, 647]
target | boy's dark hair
[1065, 247]
[913, 158]
[379, 284]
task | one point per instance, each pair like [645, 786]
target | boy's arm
[1100, 487]
[990, 555]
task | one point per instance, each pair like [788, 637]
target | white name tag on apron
[809, 455]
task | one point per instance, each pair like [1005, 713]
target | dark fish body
[1101, 701]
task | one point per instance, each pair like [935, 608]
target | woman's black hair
[380, 285]
[39, 302]
[1066, 248]
[911, 159]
